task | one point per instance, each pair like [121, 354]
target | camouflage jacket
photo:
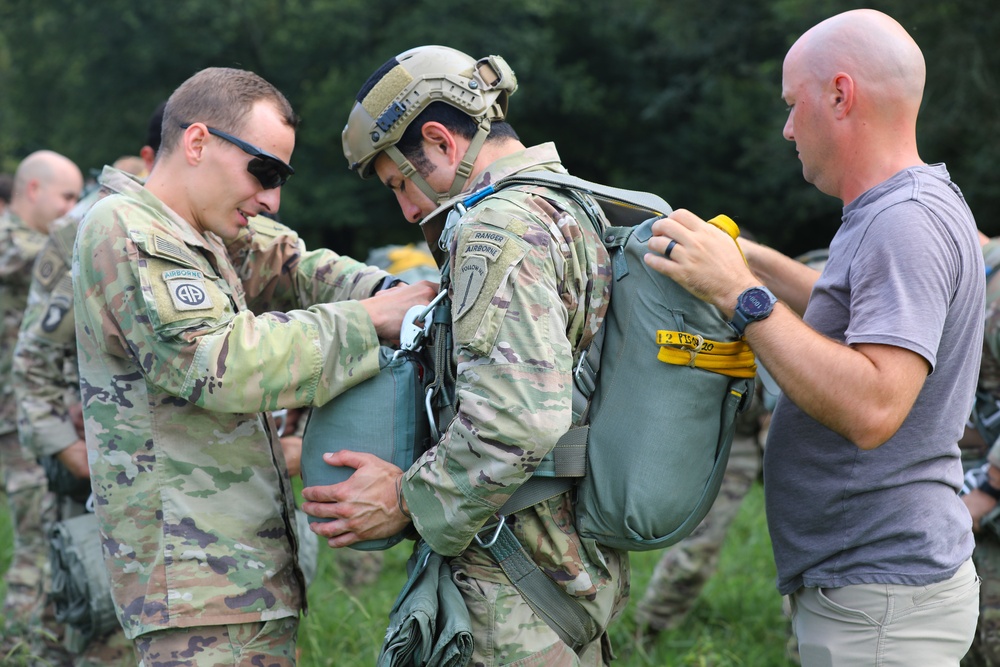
[19, 246]
[989, 370]
[185, 346]
[45, 376]
[530, 283]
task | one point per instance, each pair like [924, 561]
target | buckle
[494, 537]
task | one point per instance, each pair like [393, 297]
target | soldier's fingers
[322, 494]
[686, 218]
[328, 529]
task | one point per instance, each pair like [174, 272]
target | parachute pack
[655, 395]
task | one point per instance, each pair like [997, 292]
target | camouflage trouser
[506, 631]
[265, 643]
[685, 567]
[358, 569]
[32, 509]
[985, 651]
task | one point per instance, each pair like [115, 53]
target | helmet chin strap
[462, 173]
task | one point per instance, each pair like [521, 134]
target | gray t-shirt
[905, 269]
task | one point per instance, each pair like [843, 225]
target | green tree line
[678, 97]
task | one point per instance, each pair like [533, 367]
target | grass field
[736, 621]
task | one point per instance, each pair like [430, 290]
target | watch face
[755, 302]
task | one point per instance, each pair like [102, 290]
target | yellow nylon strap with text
[680, 348]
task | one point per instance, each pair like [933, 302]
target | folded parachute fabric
[429, 624]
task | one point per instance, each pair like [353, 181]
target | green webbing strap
[546, 598]
[555, 474]
[534, 491]
[645, 204]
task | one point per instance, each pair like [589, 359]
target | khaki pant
[883, 625]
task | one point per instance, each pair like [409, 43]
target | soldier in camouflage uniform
[530, 282]
[195, 319]
[46, 383]
[46, 186]
[982, 500]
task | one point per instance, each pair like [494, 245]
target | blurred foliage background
[682, 98]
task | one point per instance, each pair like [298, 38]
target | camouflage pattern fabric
[685, 568]
[985, 651]
[45, 377]
[530, 282]
[178, 378]
[263, 644]
[19, 246]
[358, 569]
[46, 383]
[30, 505]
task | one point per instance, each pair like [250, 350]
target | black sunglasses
[266, 168]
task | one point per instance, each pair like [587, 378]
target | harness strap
[560, 610]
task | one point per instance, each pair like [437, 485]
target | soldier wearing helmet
[529, 282]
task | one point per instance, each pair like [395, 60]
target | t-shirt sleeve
[903, 280]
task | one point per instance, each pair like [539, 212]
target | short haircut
[222, 98]
[457, 122]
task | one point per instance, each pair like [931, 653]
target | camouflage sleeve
[513, 379]
[209, 354]
[280, 274]
[18, 249]
[44, 376]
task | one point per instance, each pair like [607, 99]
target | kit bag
[384, 415]
[81, 591]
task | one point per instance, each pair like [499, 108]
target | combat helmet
[404, 86]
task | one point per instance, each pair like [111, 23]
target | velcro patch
[164, 247]
[49, 267]
[468, 282]
[187, 291]
[54, 315]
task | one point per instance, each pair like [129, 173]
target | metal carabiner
[435, 434]
[411, 333]
[494, 537]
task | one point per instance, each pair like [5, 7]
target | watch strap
[989, 489]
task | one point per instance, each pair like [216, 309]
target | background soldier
[47, 386]
[982, 455]
[46, 186]
[530, 280]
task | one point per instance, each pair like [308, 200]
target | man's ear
[843, 94]
[32, 189]
[148, 156]
[193, 142]
[439, 138]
